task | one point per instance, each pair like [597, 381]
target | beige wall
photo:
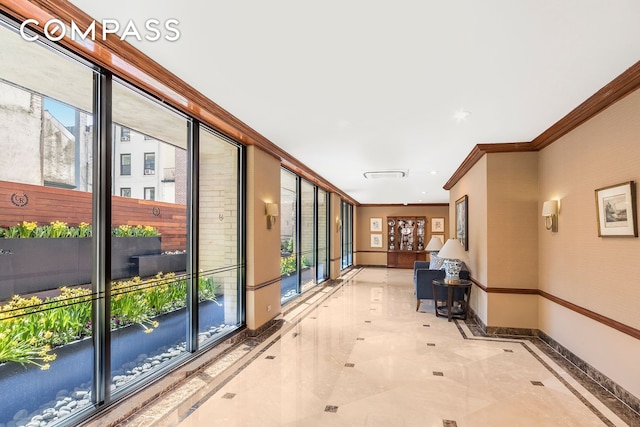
[474, 185]
[366, 255]
[512, 238]
[509, 247]
[596, 273]
[263, 245]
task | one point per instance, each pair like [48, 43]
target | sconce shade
[435, 244]
[452, 249]
[272, 209]
[550, 214]
[550, 207]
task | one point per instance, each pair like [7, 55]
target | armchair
[422, 281]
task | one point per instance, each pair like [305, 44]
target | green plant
[287, 265]
[26, 229]
[30, 327]
[59, 229]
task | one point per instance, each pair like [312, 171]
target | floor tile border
[623, 404]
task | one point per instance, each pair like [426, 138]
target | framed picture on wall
[376, 240]
[376, 224]
[437, 225]
[462, 219]
[616, 210]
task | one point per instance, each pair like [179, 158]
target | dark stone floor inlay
[229, 396]
[359, 339]
[427, 326]
[431, 344]
[367, 321]
[538, 383]
[449, 423]
[349, 365]
[506, 350]
[438, 374]
[295, 334]
[331, 408]
[270, 357]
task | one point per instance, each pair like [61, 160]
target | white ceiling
[350, 86]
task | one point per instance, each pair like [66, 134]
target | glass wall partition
[46, 209]
[288, 235]
[346, 237]
[304, 254]
[80, 326]
[308, 242]
[323, 236]
[149, 237]
[219, 223]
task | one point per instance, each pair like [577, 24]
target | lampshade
[550, 207]
[452, 249]
[435, 244]
[272, 209]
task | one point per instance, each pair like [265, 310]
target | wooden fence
[24, 202]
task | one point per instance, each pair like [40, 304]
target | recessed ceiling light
[461, 115]
[424, 192]
[434, 172]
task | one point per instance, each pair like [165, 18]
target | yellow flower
[148, 330]
[48, 335]
[30, 225]
[45, 367]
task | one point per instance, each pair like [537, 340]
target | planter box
[31, 387]
[150, 265]
[35, 265]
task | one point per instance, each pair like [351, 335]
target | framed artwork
[376, 224]
[376, 240]
[439, 236]
[462, 219]
[616, 210]
[437, 225]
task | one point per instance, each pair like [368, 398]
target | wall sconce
[338, 223]
[550, 214]
[271, 210]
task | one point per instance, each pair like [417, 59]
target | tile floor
[358, 354]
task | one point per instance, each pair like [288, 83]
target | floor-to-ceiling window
[148, 250]
[346, 235]
[308, 242]
[288, 235]
[304, 255]
[100, 287]
[323, 236]
[46, 169]
[219, 245]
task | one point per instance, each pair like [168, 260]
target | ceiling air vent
[385, 174]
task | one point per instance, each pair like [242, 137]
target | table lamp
[454, 256]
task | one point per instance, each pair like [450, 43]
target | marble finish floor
[358, 354]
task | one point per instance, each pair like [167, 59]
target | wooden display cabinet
[405, 240]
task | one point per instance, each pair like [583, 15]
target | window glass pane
[219, 281]
[307, 235]
[288, 235]
[149, 163]
[148, 254]
[125, 164]
[46, 141]
[323, 257]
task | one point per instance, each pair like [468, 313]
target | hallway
[358, 354]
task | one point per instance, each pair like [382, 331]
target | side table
[461, 291]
